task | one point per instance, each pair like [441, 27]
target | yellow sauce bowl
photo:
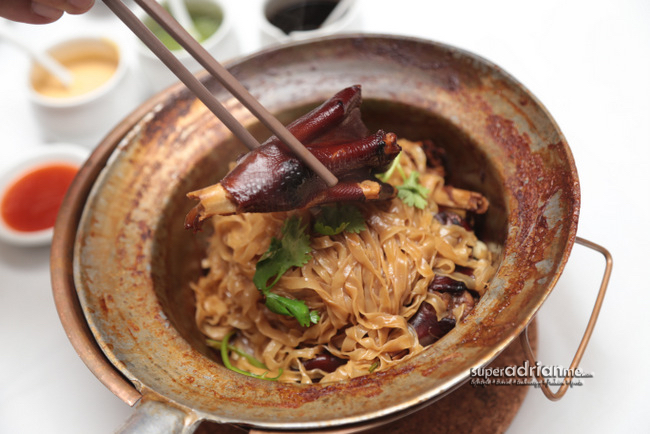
[103, 90]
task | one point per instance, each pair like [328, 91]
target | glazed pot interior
[134, 261]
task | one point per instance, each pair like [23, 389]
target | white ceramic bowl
[223, 45]
[349, 21]
[37, 157]
[85, 119]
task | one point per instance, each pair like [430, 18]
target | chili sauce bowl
[32, 189]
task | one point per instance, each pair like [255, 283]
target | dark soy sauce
[307, 15]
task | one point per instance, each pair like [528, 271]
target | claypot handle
[555, 396]
[155, 417]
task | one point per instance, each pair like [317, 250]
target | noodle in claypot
[381, 294]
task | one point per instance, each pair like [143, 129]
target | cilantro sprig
[334, 219]
[292, 250]
[411, 192]
[295, 308]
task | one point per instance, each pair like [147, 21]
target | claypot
[121, 248]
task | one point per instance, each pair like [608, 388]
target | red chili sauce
[32, 202]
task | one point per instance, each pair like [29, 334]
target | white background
[589, 64]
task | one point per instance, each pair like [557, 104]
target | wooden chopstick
[196, 50]
[150, 40]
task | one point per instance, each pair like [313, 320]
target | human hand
[41, 11]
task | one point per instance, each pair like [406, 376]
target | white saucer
[36, 157]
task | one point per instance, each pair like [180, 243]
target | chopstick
[196, 50]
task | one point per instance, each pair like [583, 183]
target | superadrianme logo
[526, 374]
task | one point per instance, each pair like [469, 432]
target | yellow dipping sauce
[89, 72]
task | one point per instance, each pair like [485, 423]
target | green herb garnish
[412, 192]
[224, 347]
[292, 250]
[384, 177]
[335, 219]
[295, 308]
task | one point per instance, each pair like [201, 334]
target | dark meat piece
[466, 299]
[425, 321]
[446, 284]
[451, 218]
[427, 327]
[270, 178]
[326, 362]
[273, 179]
[337, 119]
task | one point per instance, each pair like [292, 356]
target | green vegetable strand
[225, 347]
[384, 177]
[233, 349]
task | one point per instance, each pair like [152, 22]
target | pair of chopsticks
[196, 50]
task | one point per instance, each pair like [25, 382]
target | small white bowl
[38, 157]
[86, 118]
[223, 45]
[349, 21]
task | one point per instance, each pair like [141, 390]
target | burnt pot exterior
[121, 248]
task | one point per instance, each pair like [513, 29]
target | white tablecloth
[589, 64]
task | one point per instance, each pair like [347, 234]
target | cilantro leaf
[290, 251]
[335, 219]
[314, 316]
[295, 308]
[412, 192]
[325, 229]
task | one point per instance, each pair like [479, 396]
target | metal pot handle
[556, 396]
[155, 417]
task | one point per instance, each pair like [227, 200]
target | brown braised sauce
[307, 15]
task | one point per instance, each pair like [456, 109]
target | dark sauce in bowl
[306, 15]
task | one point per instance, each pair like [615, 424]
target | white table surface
[589, 64]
